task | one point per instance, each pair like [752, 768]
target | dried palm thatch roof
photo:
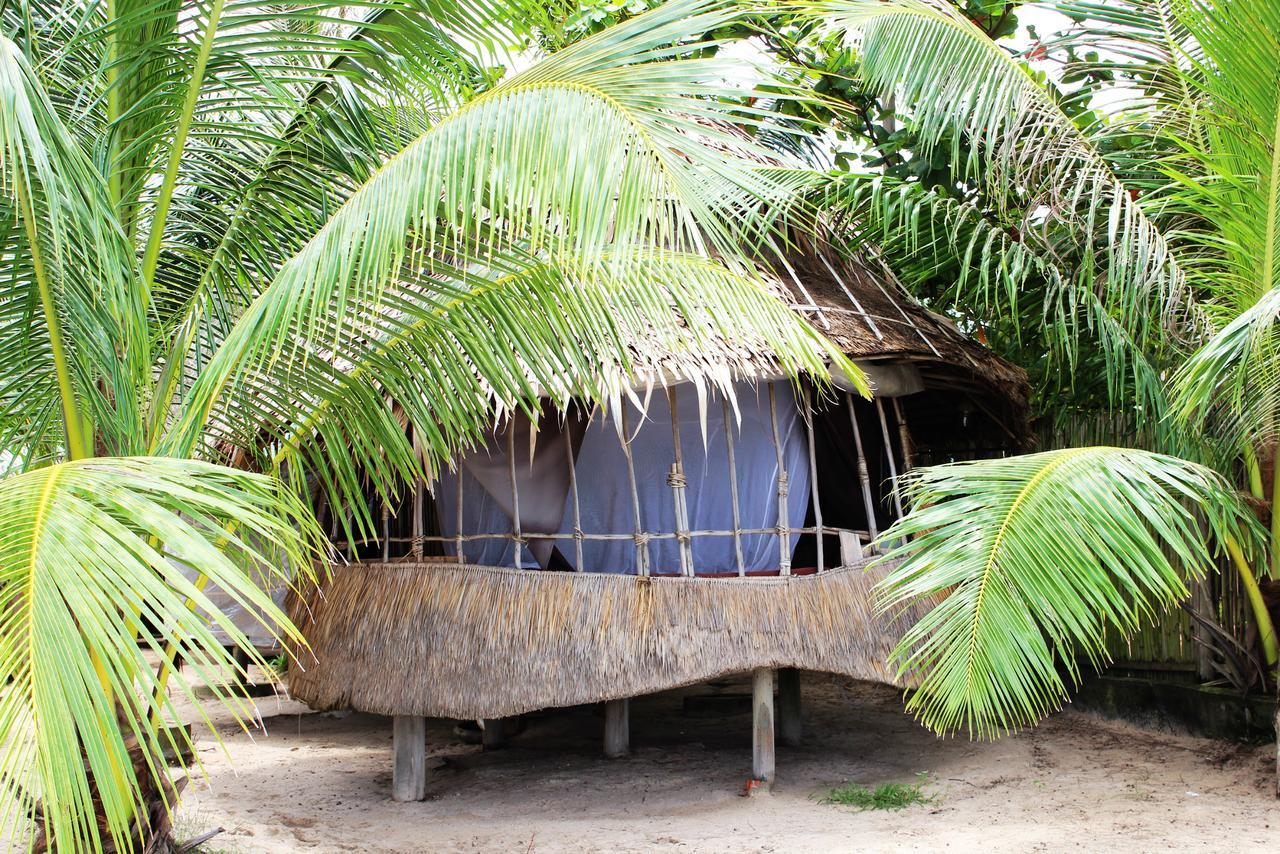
[856, 302]
[449, 640]
[859, 306]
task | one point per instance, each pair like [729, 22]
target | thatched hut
[598, 556]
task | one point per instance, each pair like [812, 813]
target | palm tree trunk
[1266, 628]
[152, 830]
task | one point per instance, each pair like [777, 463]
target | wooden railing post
[641, 537]
[784, 522]
[676, 480]
[888, 452]
[864, 476]
[733, 490]
[813, 477]
[419, 502]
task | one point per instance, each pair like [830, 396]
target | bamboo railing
[855, 543]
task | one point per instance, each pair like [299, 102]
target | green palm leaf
[497, 335]
[1041, 278]
[70, 298]
[1231, 385]
[246, 205]
[90, 552]
[1010, 136]
[1032, 560]
[618, 142]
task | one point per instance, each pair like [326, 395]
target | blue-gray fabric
[605, 496]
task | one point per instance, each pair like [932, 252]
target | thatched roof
[858, 305]
[448, 640]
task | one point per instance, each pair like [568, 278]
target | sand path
[320, 782]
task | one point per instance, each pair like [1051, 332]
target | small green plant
[279, 665]
[886, 796]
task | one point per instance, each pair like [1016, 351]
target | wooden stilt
[409, 743]
[239, 676]
[762, 746]
[790, 710]
[617, 728]
[494, 733]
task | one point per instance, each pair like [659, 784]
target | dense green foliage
[1136, 242]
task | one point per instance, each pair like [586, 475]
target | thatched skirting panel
[445, 640]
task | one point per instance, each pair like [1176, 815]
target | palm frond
[175, 77]
[246, 206]
[1148, 43]
[494, 336]
[1231, 385]
[1034, 559]
[70, 295]
[1015, 140]
[619, 141]
[1229, 173]
[92, 554]
[1034, 274]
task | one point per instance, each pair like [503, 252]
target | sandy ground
[320, 782]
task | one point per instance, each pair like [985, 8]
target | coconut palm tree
[1162, 254]
[234, 232]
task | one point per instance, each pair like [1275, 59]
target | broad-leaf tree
[242, 240]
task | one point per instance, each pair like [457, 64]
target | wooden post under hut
[409, 744]
[617, 728]
[493, 733]
[762, 744]
[790, 710]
